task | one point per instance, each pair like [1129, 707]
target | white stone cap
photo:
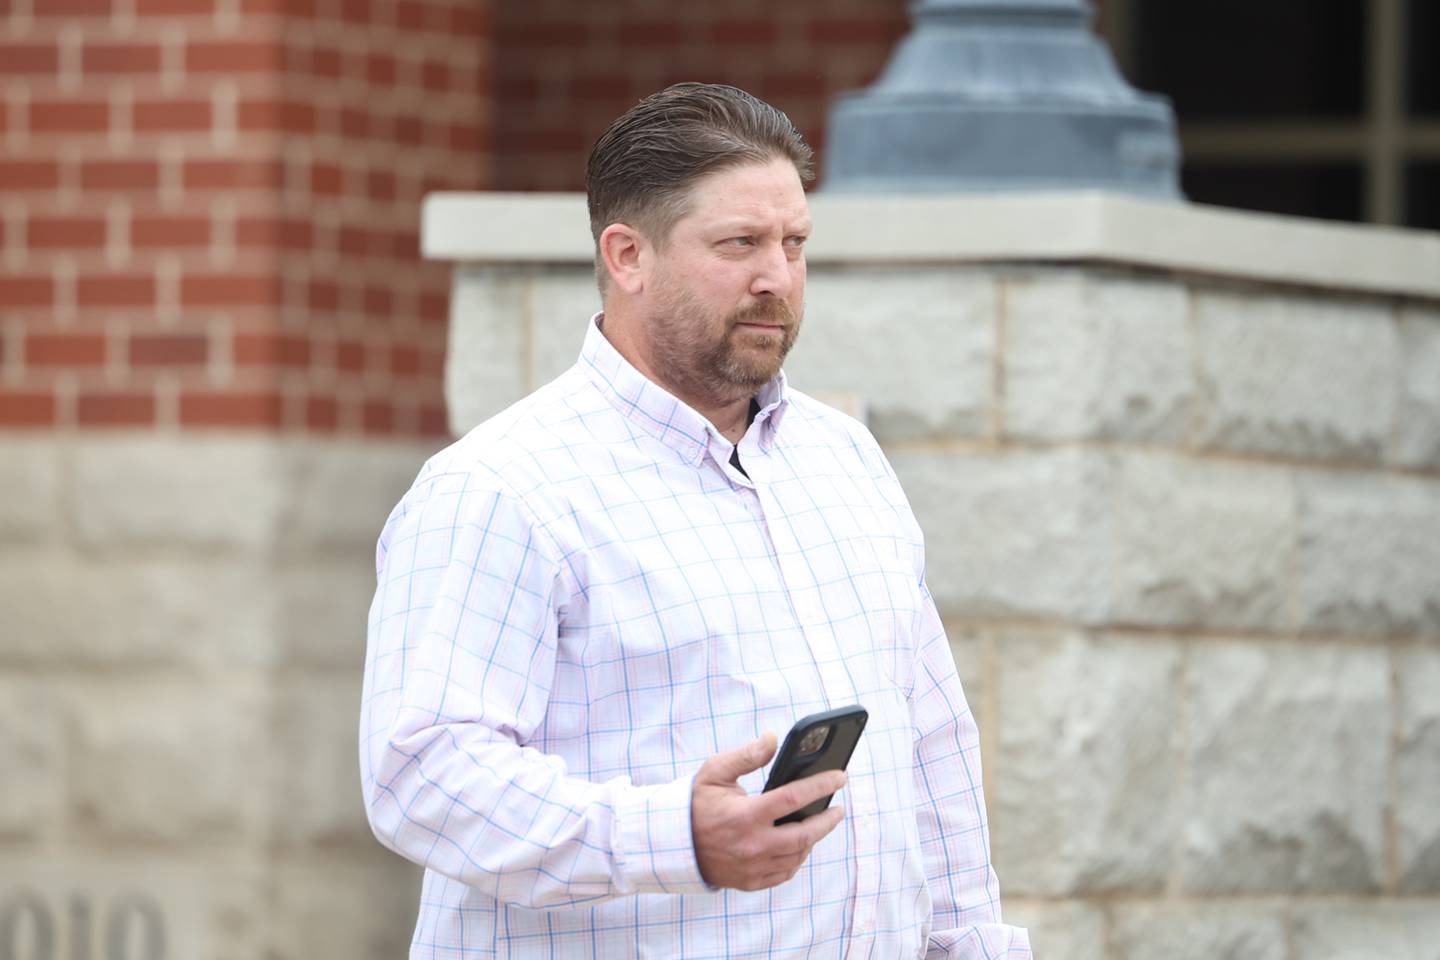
[1087, 226]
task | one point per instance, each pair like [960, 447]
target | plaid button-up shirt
[581, 601]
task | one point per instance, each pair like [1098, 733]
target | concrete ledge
[1058, 227]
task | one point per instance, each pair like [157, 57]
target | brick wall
[210, 209]
[567, 68]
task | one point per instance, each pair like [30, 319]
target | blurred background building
[222, 359]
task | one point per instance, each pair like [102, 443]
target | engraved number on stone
[134, 929]
[27, 931]
[134, 920]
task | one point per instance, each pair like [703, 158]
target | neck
[729, 411]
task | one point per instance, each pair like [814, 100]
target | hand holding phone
[739, 842]
[819, 742]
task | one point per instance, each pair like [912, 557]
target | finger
[770, 880]
[796, 794]
[820, 825]
[730, 765]
[794, 840]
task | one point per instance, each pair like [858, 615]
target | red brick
[31, 59]
[405, 245]
[44, 9]
[174, 8]
[409, 15]
[326, 179]
[282, 116]
[120, 58]
[380, 185]
[253, 174]
[378, 417]
[76, 232]
[322, 414]
[471, 20]
[323, 295]
[437, 18]
[26, 291]
[404, 360]
[356, 11]
[115, 290]
[69, 116]
[169, 350]
[465, 138]
[64, 350]
[295, 59]
[211, 408]
[26, 408]
[227, 289]
[380, 69]
[432, 364]
[409, 131]
[29, 175]
[325, 63]
[349, 356]
[271, 350]
[435, 76]
[434, 422]
[115, 409]
[379, 301]
[274, 232]
[119, 175]
[232, 56]
[354, 124]
[171, 115]
[354, 241]
[434, 306]
[149, 232]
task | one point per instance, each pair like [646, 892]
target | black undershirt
[749, 419]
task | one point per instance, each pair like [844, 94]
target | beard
[709, 357]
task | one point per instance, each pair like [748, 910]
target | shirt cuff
[653, 843]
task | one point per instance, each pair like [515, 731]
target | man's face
[726, 293]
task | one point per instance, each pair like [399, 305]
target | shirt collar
[660, 413]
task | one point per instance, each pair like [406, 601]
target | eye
[741, 241]
[797, 240]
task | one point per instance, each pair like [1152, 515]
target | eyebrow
[739, 226]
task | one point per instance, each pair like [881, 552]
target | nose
[773, 274]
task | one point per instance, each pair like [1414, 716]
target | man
[595, 611]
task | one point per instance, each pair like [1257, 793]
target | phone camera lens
[813, 740]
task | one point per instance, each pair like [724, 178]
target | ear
[623, 250]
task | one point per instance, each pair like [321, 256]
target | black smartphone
[819, 742]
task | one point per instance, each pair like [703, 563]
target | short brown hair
[641, 169]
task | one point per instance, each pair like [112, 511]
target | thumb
[728, 766]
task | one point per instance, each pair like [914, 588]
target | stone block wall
[183, 623]
[1185, 533]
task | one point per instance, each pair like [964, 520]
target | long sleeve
[460, 660]
[954, 836]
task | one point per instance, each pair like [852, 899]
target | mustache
[766, 311]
